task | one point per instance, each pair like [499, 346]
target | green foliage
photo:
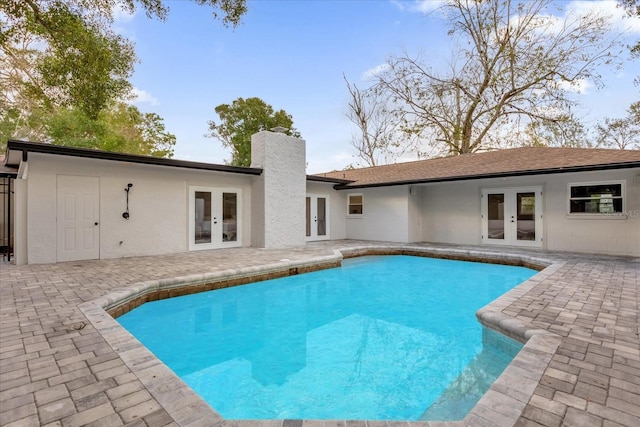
[86, 70]
[62, 57]
[241, 119]
[119, 128]
[63, 68]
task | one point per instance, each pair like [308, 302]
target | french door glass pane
[322, 216]
[495, 216]
[229, 217]
[202, 228]
[526, 221]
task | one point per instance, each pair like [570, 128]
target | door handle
[95, 223]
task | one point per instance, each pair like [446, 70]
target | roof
[490, 164]
[16, 150]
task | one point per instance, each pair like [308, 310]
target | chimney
[278, 194]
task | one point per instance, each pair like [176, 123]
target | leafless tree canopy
[515, 63]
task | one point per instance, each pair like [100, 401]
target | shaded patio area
[65, 362]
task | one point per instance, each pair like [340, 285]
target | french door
[215, 218]
[512, 216]
[317, 219]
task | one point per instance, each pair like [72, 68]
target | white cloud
[427, 6]
[121, 16]
[399, 4]
[619, 18]
[420, 6]
[555, 23]
[373, 72]
[580, 86]
[141, 96]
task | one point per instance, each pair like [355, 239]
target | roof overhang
[336, 181]
[17, 151]
[8, 171]
[584, 168]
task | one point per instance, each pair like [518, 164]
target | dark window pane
[495, 212]
[202, 217]
[355, 210]
[596, 190]
[355, 200]
[229, 217]
[596, 205]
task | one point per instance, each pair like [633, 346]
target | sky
[293, 55]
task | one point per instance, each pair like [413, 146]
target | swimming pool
[391, 338]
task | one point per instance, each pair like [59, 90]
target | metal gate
[6, 216]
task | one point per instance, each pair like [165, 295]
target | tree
[379, 138]
[621, 133]
[632, 8]
[241, 119]
[566, 131]
[515, 63]
[119, 128]
[63, 53]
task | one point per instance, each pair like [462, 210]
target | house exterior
[565, 199]
[72, 204]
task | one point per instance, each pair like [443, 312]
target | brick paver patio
[65, 362]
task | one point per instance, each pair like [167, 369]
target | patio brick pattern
[62, 364]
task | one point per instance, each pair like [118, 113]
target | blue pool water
[388, 338]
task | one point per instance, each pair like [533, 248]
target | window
[598, 198]
[355, 204]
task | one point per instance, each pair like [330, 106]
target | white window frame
[597, 215]
[349, 204]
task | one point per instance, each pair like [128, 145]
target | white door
[512, 216]
[317, 219]
[214, 218]
[78, 217]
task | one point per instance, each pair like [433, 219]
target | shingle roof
[509, 162]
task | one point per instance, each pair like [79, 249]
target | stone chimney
[278, 194]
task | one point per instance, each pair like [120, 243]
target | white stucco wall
[415, 215]
[451, 213]
[280, 190]
[385, 215]
[158, 205]
[599, 235]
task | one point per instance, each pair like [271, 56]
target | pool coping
[501, 405]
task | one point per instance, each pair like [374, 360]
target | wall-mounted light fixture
[125, 214]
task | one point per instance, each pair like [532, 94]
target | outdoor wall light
[125, 215]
